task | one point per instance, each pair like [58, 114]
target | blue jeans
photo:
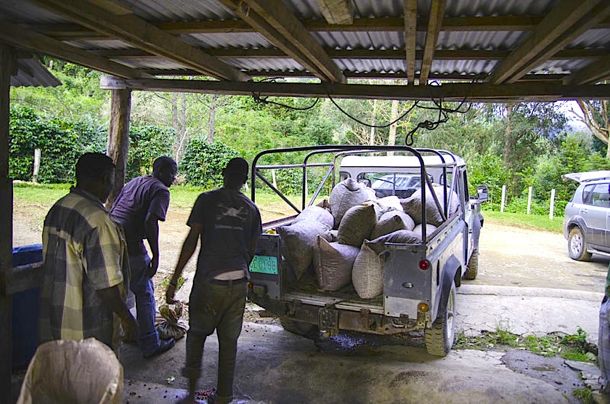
[142, 287]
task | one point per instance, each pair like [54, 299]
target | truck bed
[306, 290]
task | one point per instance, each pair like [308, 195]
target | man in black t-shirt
[228, 224]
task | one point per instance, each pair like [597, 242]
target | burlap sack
[413, 205]
[85, 371]
[430, 228]
[357, 225]
[347, 194]
[333, 264]
[390, 222]
[389, 203]
[318, 214]
[367, 273]
[399, 237]
[297, 242]
[330, 236]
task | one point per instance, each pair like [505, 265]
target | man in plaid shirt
[84, 254]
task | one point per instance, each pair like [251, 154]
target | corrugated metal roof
[594, 38]
[31, 73]
[275, 64]
[498, 40]
[229, 40]
[25, 11]
[456, 8]
[150, 62]
[179, 10]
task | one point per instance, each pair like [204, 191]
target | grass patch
[525, 221]
[571, 346]
[27, 193]
[584, 394]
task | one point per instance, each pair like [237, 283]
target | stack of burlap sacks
[345, 238]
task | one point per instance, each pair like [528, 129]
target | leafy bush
[146, 144]
[519, 205]
[60, 147]
[487, 169]
[203, 162]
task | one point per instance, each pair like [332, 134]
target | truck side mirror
[482, 193]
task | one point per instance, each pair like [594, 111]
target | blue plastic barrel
[25, 310]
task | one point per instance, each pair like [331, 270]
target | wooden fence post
[503, 199]
[529, 200]
[37, 157]
[552, 209]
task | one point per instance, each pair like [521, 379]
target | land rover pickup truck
[419, 279]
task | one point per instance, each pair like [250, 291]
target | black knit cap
[237, 166]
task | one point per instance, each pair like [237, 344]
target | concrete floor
[275, 366]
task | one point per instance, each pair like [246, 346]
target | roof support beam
[596, 71]
[410, 7]
[7, 69]
[337, 11]
[369, 75]
[389, 54]
[449, 92]
[450, 24]
[272, 19]
[435, 19]
[565, 22]
[141, 34]
[30, 40]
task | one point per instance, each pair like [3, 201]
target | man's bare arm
[188, 249]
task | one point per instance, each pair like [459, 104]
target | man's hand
[170, 293]
[153, 266]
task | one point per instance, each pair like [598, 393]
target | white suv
[587, 216]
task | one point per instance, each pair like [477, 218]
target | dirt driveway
[512, 256]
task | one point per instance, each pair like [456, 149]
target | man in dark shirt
[142, 202]
[229, 225]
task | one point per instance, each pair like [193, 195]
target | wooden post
[503, 201]
[37, 157]
[529, 200]
[7, 66]
[552, 207]
[118, 137]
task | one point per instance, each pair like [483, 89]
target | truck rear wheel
[472, 269]
[440, 338]
[299, 328]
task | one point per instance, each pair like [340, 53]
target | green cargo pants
[215, 305]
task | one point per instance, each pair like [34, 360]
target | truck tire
[299, 328]
[440, 338]
[577, 246]
[472, 269]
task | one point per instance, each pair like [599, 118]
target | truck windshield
[386, 184]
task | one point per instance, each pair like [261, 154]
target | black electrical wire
[265, 100]
[368, 124]
[443, 112]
